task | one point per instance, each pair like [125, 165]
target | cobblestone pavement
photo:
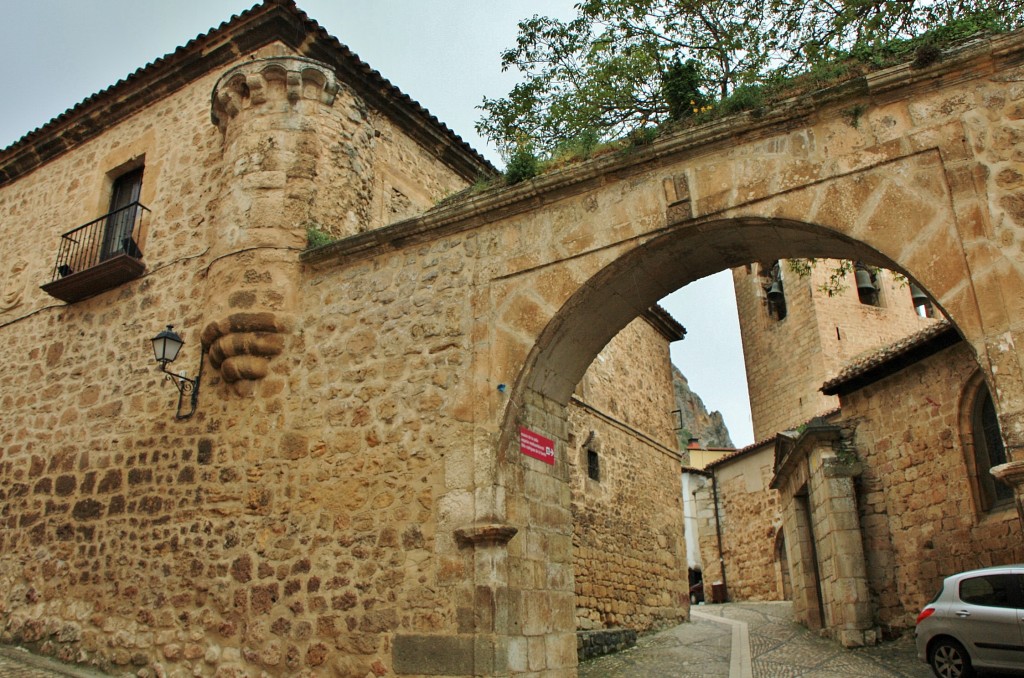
[778, 647]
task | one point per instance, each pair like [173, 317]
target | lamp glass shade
[166, 345]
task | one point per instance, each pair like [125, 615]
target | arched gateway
[914, 170]
[352, 494]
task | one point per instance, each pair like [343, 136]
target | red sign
[537, 446]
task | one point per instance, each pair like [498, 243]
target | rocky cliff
[709, 428]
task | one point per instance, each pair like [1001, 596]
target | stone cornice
[975, 59]
[271, 21]
[248, 81]
[793, 450]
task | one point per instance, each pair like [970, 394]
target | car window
[990, 590]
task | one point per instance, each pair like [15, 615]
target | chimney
[694, 444]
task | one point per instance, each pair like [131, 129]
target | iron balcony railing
[112, 235]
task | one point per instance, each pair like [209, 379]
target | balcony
[99, 256]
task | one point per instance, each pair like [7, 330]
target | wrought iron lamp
[165, 348]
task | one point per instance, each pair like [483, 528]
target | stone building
[375, 477]
[738, 525]
[904, 474]
[797, 331]
[262, 529]
[629, 558]
[801, 334]
[857, 514]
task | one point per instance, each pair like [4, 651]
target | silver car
[976, 620]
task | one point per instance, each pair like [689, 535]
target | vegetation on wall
[317, 238]
[621, 66]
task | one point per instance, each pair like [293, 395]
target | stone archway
[857, 207]
[923, 183]
[539, 399]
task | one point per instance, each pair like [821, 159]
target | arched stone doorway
[614, 295]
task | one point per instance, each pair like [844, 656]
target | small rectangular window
[593, 465]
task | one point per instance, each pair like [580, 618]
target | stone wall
[920, 519]
[363, 505]
[291, 529]
[750, 520]
[597, 643]
[788, 360]
[629, 558]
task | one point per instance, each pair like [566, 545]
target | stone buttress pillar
[840, 547]
[825, 548]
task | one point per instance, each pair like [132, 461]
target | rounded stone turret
[293, 158]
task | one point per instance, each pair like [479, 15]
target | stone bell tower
[290, 131]
[797, 335]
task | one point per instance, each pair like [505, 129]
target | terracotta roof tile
[767, 441]
[377, 83]
[860, 369]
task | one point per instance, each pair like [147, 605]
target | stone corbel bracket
[485, 534]
[241, 345]
[249, 84]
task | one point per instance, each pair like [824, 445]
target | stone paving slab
[685, 651]
[778, 648]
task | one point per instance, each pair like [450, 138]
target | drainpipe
[718, 533]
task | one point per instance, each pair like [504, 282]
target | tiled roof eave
[892, 358]
[274, 20]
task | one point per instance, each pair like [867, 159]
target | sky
[445, 54]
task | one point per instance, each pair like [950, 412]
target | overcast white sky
[445, 54]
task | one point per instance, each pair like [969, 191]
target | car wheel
[949, 659]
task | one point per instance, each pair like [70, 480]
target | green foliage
[579, 147]
[853, 113]
[836, 283]
[522, 165]
[317, 238]
[624, 65]
[621, 65]
[643, 136]
[481, 184]
[682, 88]
[743, 98]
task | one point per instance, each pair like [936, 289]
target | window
[105, 252]
[992, 590]
[988, 451]
[119, 236]
[922, 304]
[593, 465]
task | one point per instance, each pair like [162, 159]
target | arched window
[986, 446]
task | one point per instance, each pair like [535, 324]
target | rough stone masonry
[350, 497]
